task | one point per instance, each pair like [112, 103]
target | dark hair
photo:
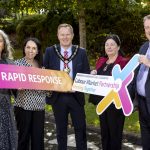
[39, 55]
[117, 40]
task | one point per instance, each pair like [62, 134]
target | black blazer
[133, 91]
[80, 65]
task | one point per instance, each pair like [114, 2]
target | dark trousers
[30, 125]
[65, 104]
[144, 118]
[111, 123]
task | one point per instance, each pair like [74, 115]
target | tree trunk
[82, 28]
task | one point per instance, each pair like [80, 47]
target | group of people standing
[29, 104]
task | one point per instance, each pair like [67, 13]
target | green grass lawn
[131, 122]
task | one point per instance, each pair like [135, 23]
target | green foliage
[44, 27]
[18, 53]
[102, 17]
[56, 17]
[30, 26]
[126, 21]
[90, 110]
[9, 25]
[132, 123]
[48, 108]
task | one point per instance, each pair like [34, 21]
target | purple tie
[66, 57]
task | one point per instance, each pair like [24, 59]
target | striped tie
[66, 57]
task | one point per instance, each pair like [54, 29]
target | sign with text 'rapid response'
[21, 77]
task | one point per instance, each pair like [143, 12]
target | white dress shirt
[69, 50]
[141, 82]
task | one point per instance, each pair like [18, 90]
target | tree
[95, 19]
[82, 24]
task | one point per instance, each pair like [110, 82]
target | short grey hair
[65, 25]
[7, 52]
[146, 18]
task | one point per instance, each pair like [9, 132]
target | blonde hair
[146, 18]
[65, 25]
[7, 52]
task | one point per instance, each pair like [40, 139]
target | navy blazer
[133, 91]
[80, 64]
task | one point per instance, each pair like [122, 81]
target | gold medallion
[67, 70]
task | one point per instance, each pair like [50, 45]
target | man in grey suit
[142, 86]
[71, 59]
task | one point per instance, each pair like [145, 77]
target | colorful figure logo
[120, 98]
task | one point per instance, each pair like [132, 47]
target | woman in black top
[112, 119]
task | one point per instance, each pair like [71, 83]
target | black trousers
[111, 124]
[144, 118]
[67, 104]
[30, 125]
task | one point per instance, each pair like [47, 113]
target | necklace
[66, 61]
[106, 67]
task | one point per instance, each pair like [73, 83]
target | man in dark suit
[73, 60]
[142, 87]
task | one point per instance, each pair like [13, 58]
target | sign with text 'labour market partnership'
[21, 77]
[113, 88]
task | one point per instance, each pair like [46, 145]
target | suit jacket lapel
[143, 52]
[57, 59]
[144, 49]
[74, 61]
